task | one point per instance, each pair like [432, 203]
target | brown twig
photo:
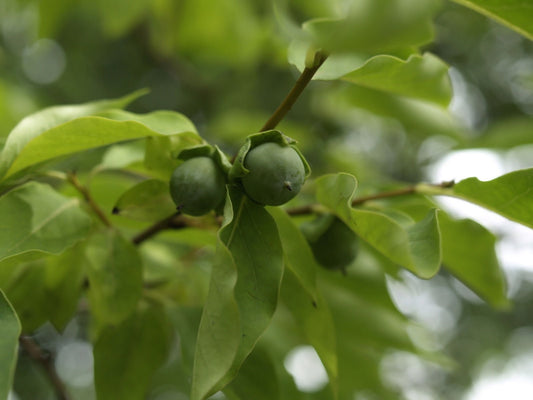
[38, 355]
[312, 208]
[73, 179]
[304, 79]
[175, 221]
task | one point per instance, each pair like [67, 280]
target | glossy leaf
[415, 247]
[9, 340]
[242, 295]
[127, 355]
[36, 124]
[297, 253]
[468, 252]
[515, 14]
[510, 195]
[423, 77]
[107, 127]
[36, 217]
[114, 269]
[148, 200]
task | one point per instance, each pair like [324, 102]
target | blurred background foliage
[224, 64]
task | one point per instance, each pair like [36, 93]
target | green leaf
[89, 132]
[407, 22]
[468, 253]
[114, 269]
[148, 200]
[316, 322]
[510, 195]
[418, 117]
[257, 379]
[9, 340]
[36, 217]
[63, 278]
[242, 295]
[297, 253]
[515, 14]
[423, 77]
[415, 247]
[127, 355]
[420, 77]
[367, 325]
[35, 124]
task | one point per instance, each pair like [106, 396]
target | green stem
[302, 82]
[73, 179]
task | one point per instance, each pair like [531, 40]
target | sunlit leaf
[9, 340]
[88, 132]
[114, 269]
[510, 195]
[423, 77]
[515, 14]
[415, 247]
[127, 355]
[36, 217]
[148, 200]
[242, 295]
[36, 124]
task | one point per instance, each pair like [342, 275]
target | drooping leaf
[424, 77]
[127, 355]
[9, 340]
[257, 379]
[148, 200]
[88, 132]
[316, 322]
[515, 14]
[415, 247]
[36, 217]
[468, 252]
[367, 326]
[35, 124]
[242, 295]
[114, 269]
[510, 195]
[298, 256]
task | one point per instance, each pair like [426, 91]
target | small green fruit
[333, 243]
[197, 186]
[276, 175]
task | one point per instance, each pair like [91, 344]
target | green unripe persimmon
[276, 174]
[197, 186]
[334, 244]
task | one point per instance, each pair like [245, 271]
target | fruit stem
[175, 221]
[287, 103]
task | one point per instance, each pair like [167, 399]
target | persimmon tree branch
[412, 189]
[302, 82]
[73, 180]
[38, 355]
